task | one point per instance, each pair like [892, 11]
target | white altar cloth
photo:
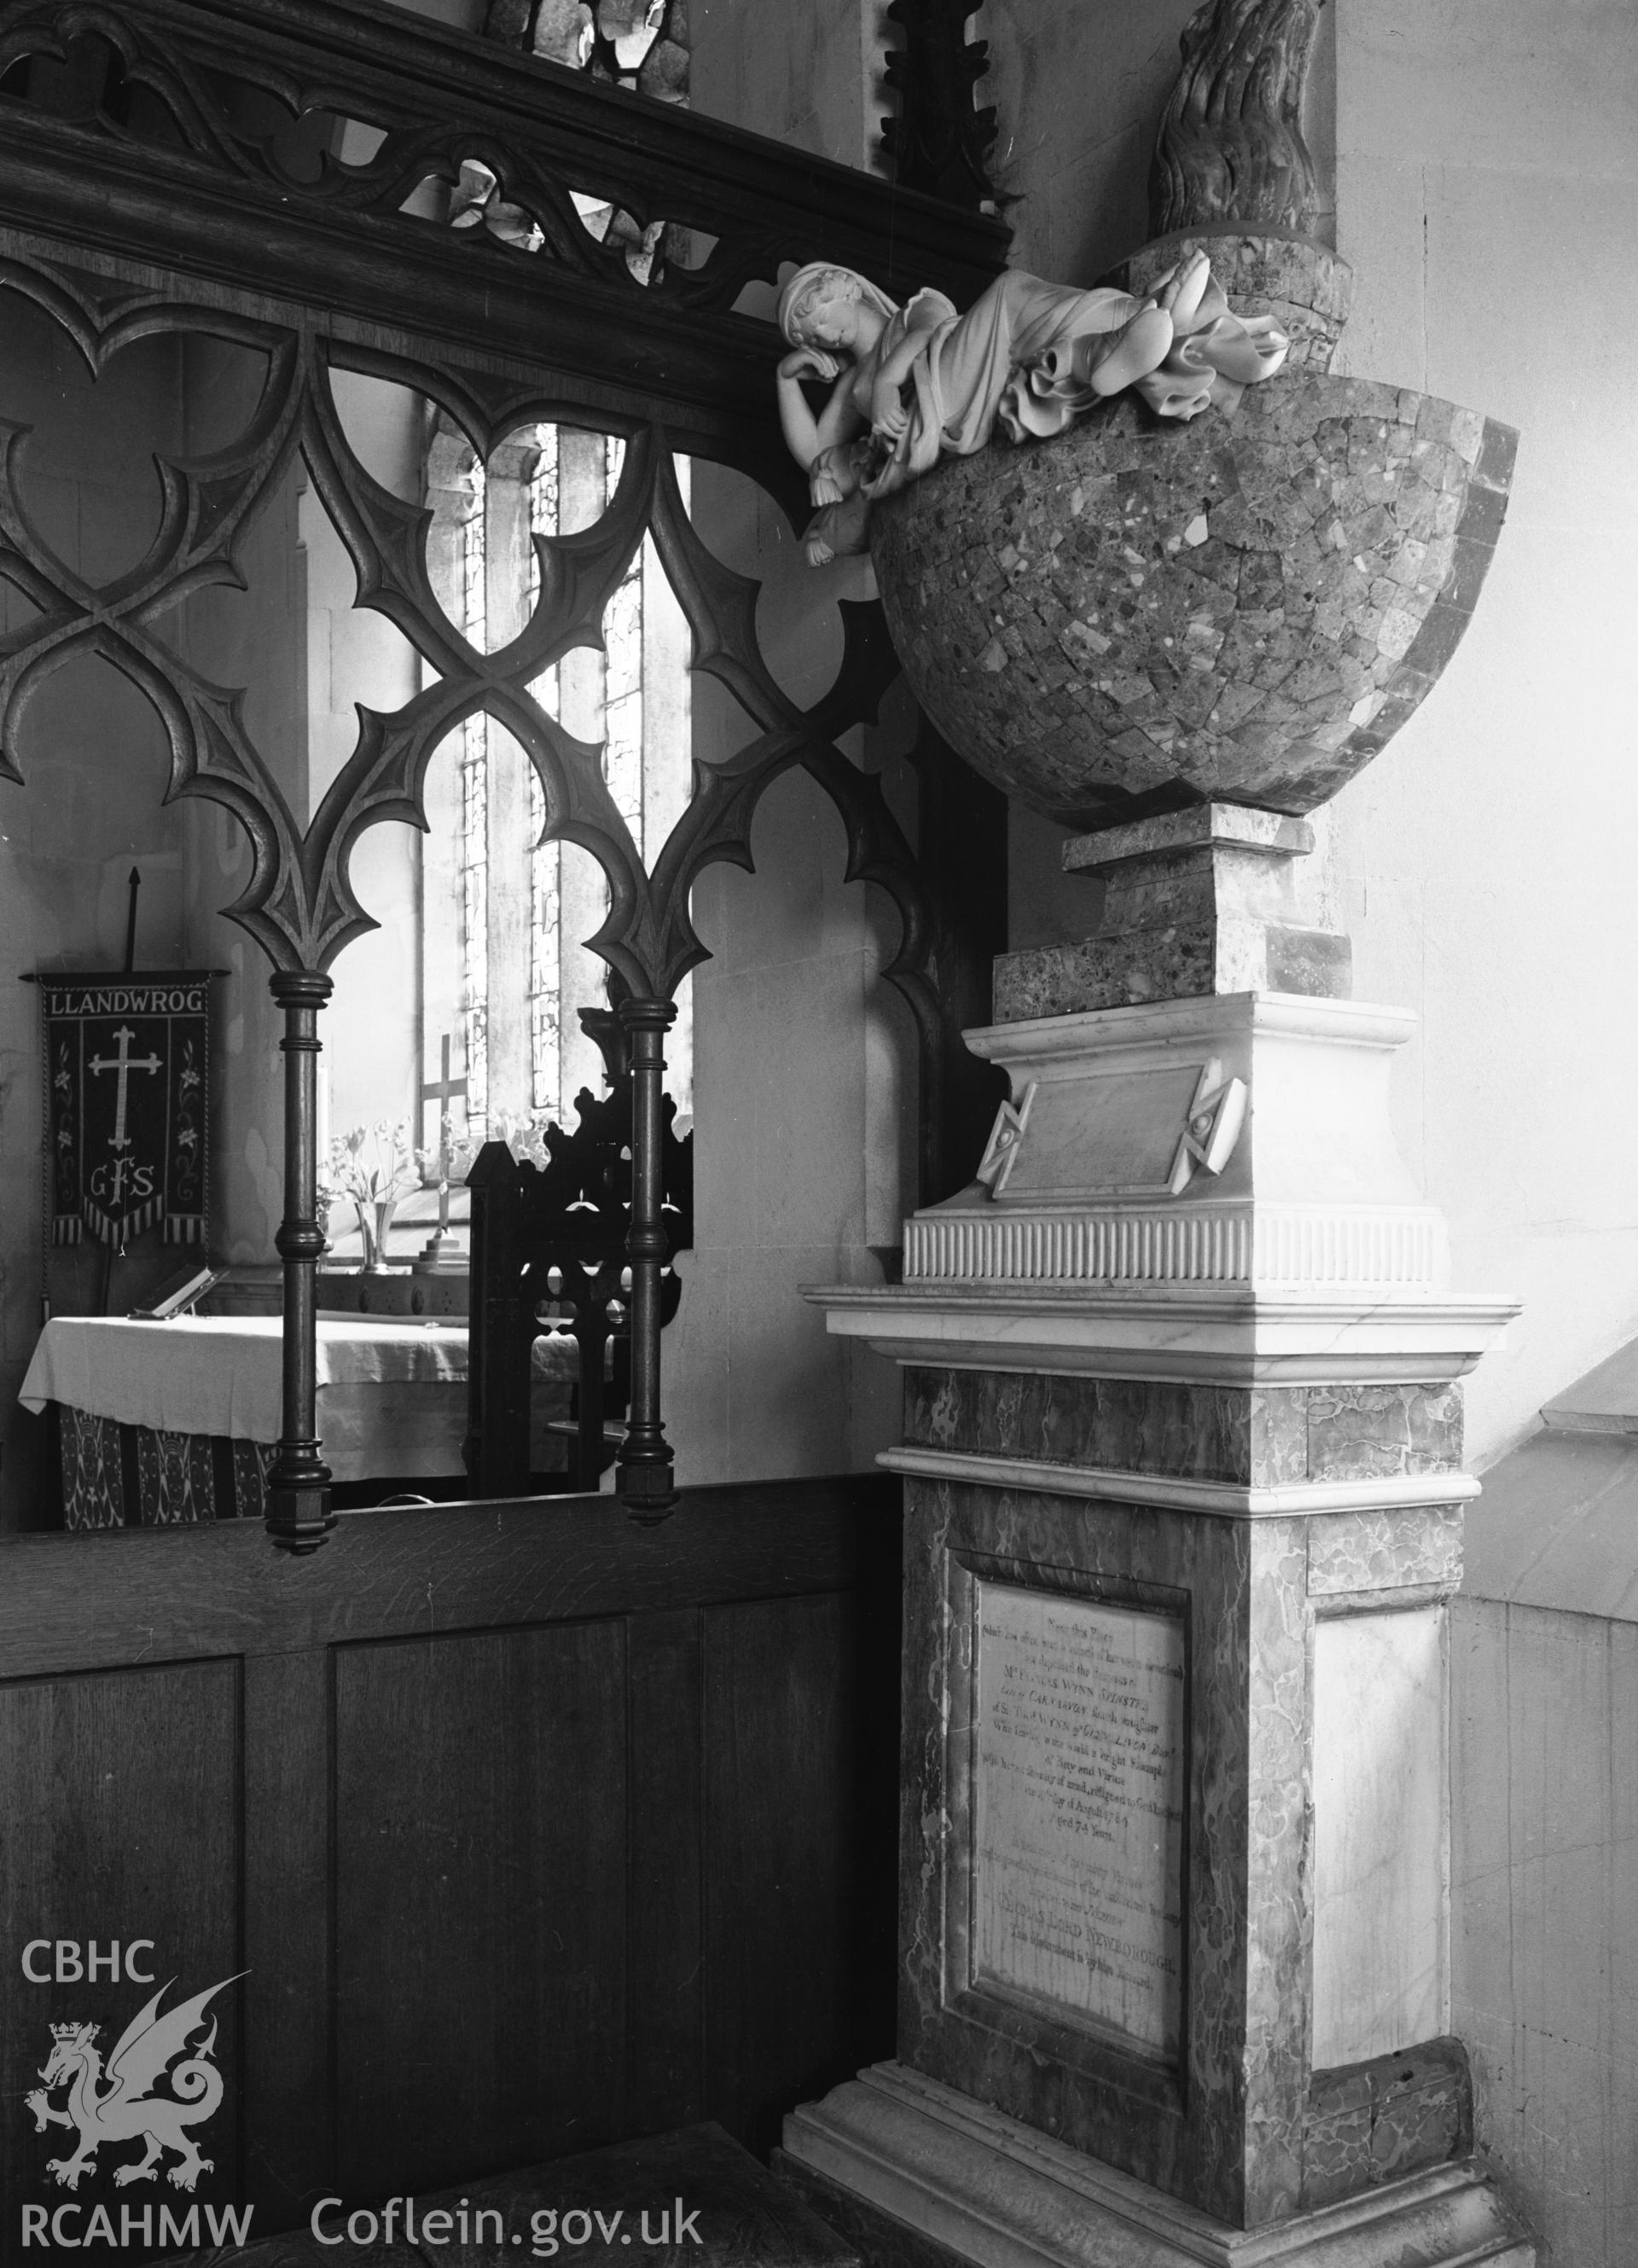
[221, 1374]
[392, 1394]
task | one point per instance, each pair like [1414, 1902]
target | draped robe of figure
[1025, 354]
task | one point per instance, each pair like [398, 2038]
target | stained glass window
[511, 933]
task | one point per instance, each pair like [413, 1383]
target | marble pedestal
[1183, 1512]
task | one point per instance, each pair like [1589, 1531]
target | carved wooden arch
[650, 376]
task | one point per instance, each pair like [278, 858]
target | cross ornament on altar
[439, 1251]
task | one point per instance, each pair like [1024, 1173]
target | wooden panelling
[286, 1801]
[1544, 1893]
[534, 1827]
[797, 1809]
[121, 1822]
[665, 2077]
[480, 1917]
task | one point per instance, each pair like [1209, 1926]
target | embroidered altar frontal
[127, 1065]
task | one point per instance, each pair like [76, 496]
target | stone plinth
[1195, 901]
[1183, 1508]
[1178, 2037]
[920, 2175]
[1194, 1147]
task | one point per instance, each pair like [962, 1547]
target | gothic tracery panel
[620, 583]
[281, 179]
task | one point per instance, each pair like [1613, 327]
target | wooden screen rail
[78, 1602]
[187, 184]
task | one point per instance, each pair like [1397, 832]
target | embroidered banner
[127, 1063]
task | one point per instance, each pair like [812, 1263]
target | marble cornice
[1228, 1335]
[1170, 1023]
[1227, 1500]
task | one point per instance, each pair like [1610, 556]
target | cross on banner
[124, 1063]
[108, 1181]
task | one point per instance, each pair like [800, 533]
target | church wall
[815, 83]
[1489, 170]
[1078, 91]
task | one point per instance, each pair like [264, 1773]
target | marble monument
[1182, 1430]
[1184, 1490]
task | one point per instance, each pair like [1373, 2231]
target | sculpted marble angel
[913, 383]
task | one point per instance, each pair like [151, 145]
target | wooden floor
[522, 1829]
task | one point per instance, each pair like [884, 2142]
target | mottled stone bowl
[1141, 615]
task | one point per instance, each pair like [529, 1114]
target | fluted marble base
[951, 2173]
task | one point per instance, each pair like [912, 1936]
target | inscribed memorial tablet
[1078, 1810]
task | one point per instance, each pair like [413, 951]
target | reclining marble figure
[914, 383]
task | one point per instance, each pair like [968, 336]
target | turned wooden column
[646, 1482]
[299, 1514]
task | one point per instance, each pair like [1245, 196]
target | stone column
[1183, 1512]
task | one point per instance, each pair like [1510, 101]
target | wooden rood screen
[178, 167]
[531, 1829]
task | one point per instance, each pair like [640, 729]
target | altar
[168, 1423]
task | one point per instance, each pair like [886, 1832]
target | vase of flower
[376, 1218]
[371, 1167]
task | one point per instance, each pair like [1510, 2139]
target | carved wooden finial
[939, 141]
[1230, 146]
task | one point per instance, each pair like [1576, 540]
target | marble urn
[1140, 614]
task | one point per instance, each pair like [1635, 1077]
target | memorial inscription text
[1078, 1810]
